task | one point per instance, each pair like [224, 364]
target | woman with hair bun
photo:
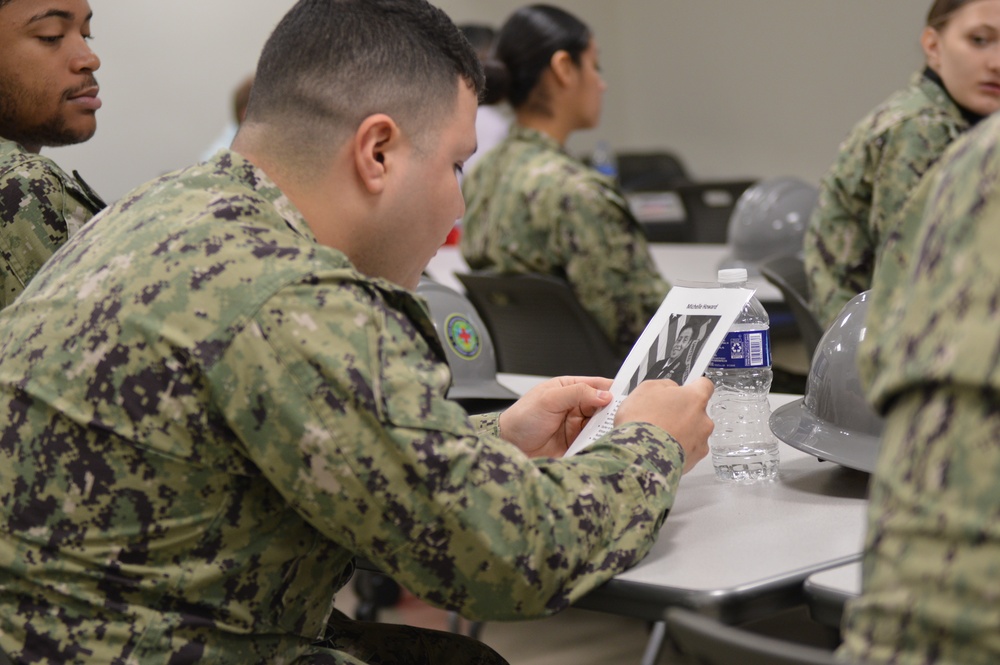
[889, 151]
[533, 208]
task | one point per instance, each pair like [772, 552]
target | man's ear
[376, 135]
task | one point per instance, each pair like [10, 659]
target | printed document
[678, 343]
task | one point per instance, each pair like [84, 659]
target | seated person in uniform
[930, 363]
[532, 208]
[888, 152]
[48, 97]
[223, 390]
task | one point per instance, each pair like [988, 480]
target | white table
[827, 592]
[688, 264]
[739, 552]
[680, 264]
[519, 383]
[742, 552]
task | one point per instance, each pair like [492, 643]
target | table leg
[655, 643]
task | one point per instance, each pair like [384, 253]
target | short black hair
[331, 63]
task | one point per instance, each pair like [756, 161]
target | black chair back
[788, 273]
[538, 326]
[650, 171]
[708, 206]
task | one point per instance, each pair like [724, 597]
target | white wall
[736, 87]
[167, 74]
[757, 87]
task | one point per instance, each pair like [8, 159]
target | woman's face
[965, 53]
[590, 87]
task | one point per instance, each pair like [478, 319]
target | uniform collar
[245, 172]
[522, 133]
[82, 190]
[932, 85]
[254, 177]
[9, 147]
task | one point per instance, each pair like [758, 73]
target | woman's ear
[377, 135]
[930, 40]
[563, 67]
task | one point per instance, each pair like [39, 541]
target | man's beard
[52, 131]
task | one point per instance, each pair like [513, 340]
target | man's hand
[679, 410]
[546, 420]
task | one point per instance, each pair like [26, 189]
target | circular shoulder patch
[462, 336]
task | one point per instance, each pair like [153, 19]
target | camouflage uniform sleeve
[837, 243]
[890, 278]
[864, 191]
[607, 260]
[932, 552]
[340, 403]
[38, 215]
[486, 424]
[932, 558]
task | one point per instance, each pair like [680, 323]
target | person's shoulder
[37, 186]
[545, 161]
[922, 108]
[538, 154]
[976, 157]
[657, 367]
[908, 122]
[524, 161]
[17, 164]
[214, 214]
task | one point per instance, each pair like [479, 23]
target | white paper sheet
[678, 343]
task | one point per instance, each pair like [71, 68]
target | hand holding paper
[679, 341]
[681, 411]
[550, 416]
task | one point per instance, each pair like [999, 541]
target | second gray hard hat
[834, 421]
[769, 219]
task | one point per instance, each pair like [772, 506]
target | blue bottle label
[743, 349]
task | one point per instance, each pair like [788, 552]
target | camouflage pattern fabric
[879, 164]
[531, 208]
[900, 245]
[932, 365]
[40, 207]
[206, 415]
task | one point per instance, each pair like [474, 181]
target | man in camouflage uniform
[931, 364]
[879, 164]
[48, 97]
[532, 208]
[223, 389]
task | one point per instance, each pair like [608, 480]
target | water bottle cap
[732, 275]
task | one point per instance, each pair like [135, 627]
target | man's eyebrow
[54, 13]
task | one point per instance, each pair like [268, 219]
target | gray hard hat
[769, 219]
[834, 420]
[466, 343]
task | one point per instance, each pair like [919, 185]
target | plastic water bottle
[742, 445]
[604, 160]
